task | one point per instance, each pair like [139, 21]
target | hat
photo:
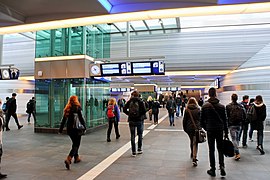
[14, 94]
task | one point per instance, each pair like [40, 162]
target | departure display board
[9, 73]
[133, 68]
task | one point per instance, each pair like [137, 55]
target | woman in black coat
[258, 123]
[73, 109]
[189, 128]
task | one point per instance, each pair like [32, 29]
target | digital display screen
[174, 88]
[110, 69]
[133, 68]
[163, 89]
[141, 68]
[114, 89]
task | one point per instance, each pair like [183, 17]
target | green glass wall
[91, 40]
[52, 96]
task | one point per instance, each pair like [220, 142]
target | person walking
[73, 109]
[150, 106]
[236, 116]
[11, 111]
[113, 116]
[1, 138]
[135, 110]
[31, 109]
[171, 107]
[155, 111]
[258, 122]
[250, 132]
[178, 102]
[244, 128]
[189, 126]
[214, 121]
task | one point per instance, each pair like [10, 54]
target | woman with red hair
[72, 109]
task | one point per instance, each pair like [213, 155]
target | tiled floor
[32, 156]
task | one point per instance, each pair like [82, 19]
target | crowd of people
[215, 118]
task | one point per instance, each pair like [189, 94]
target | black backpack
[236, 114]
[134, 109]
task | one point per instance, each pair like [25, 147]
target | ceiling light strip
[143, 15]
[188, 73]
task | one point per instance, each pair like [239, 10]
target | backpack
[251, 114]
[4, 107]
[110, 111]
[134, 109]
[236, 114]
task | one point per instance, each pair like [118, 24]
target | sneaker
[194, 162]
[245, 146]
[222, 171]
[211, 172]
[7, 129]
[117, 137]
[237, 157]
[139, 151]
[108, 140]
[133, 154]
[20, 126]
[261, 150]
[250, 139]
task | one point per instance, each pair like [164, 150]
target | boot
[77, 159]
[68, 162]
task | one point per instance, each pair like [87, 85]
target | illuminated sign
[133, 68]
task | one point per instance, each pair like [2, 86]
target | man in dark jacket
[245, 124]
[31, 109]
[236, 115]
[214, 121]
[135, 110]
[11, 111]
[171, 107]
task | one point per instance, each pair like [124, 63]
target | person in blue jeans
[171, 107]
[135, 109]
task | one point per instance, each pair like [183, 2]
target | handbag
[200, 133]
[228, 148]
[78, 125]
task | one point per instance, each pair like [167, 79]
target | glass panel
[138, 25]
[122, 26]
[153, 24]
[169, 23]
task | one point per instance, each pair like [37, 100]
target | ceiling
[199, 44]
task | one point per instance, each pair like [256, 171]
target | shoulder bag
[200, 133]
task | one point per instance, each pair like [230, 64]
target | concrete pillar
[1, 48]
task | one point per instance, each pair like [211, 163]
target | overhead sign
[133, 68]
[9, 73]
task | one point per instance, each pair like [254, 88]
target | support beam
[178, 24]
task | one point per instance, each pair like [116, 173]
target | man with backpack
[236, 115]
[171, 107]
[135, 110]
[245, 123]
[31, 109]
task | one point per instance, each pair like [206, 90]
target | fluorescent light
[106, 4]
[28, 78]
[251, 69]
[143, 15]
[57, 58]
[187, 73]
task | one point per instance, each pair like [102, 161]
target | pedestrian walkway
[38, 156]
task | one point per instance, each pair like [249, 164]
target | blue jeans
[260, 137]
[171, 118]
[132, 128]
[178, 110]
[235, 131]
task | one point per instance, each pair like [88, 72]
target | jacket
[188, 125]
[171, 104]
[70, 120]
[213, 116]
[261, 116]
[155, 107]
[142, 109]
[11, 106]
[231, 107]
